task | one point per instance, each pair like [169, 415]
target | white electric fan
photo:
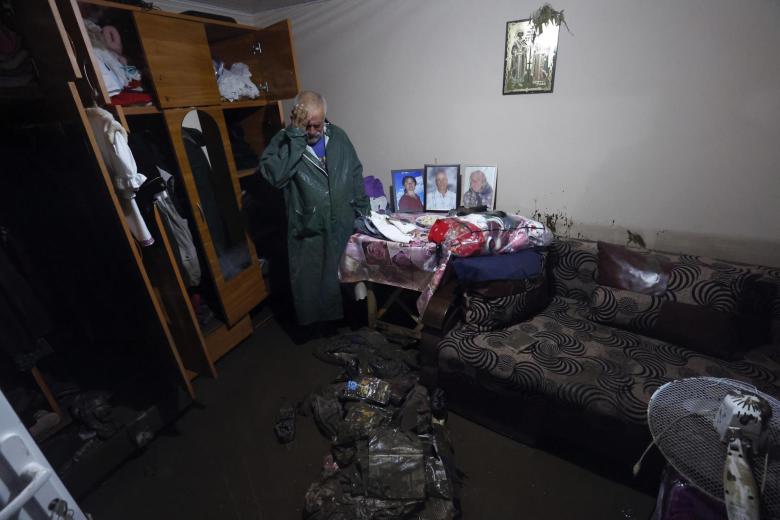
[723, 437]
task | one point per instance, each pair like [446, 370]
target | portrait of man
[441, 187]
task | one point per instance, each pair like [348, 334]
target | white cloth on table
[389, 229]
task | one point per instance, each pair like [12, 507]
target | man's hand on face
[299, 117]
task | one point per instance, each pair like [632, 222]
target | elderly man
[441, 198]
[315, 164]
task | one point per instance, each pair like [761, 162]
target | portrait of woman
[407, 190]
[479, 183]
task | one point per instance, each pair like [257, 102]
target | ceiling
[250, 6]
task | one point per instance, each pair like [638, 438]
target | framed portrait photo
[529, 57]
[478, 187]
[442, 183]
[408, 191]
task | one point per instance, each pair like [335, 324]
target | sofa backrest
[726, 286]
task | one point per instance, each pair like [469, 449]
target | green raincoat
[322, 203]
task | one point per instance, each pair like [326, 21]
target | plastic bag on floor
[368, 508]
[442, 449]
[439, 404]
[327, 414]
[400, 386]
[369, 388]
[396, 468]
[323, 500]
[437, 509]
[415, 413]
[436, 482]
[352, 480]
[344, 454]
[360, 420]
[387, 366]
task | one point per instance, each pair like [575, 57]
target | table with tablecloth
[420, 265]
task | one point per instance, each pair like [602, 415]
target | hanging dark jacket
[321, 206]
[24, 321]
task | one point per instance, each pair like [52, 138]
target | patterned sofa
[583, 353]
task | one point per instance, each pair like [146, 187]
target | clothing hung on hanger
[151, 163]
[24, 322]
[112, 141]
[178, 230]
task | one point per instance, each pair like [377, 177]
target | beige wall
[665, 118]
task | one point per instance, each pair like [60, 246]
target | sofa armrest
[441, 315]
[442, 312]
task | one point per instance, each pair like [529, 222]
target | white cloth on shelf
[111, 139]
[235, 83]
[116, 73]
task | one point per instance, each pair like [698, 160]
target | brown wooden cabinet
[174, 54]
[128, 315]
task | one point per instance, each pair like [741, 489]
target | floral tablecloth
[421, 264]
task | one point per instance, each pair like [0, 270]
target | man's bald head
[316, 107]
[313, 101]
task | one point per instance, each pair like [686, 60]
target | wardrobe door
[129, 253]
[55, 59]
[205, 158]
[179, 60]
[94, 87]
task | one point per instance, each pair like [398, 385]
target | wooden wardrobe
[155, 328]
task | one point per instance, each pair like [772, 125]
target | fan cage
[681, 419]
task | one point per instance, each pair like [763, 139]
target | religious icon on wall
[529, 57]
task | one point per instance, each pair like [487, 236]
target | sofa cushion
[750, 291]
[699, 328]
[624, 268]
[563, 356]
[703, 281]
[626, 309]
[572, 268]
[494, 305]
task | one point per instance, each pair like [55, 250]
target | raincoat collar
[313, 156]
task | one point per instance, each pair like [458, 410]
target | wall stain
[636, 239]
[559, 223]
